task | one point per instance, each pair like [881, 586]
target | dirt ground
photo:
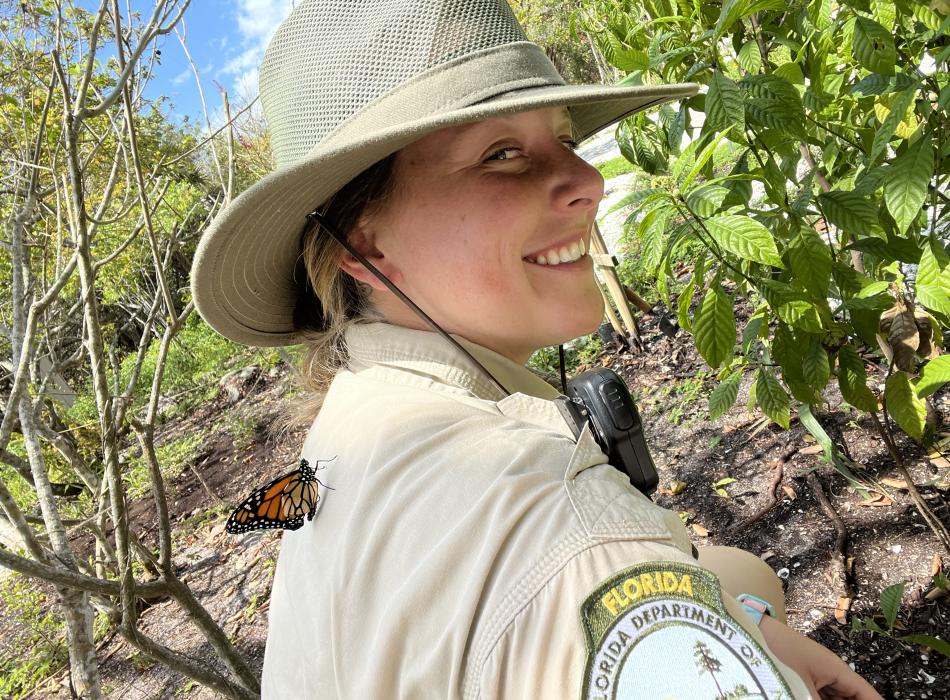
[886, 543]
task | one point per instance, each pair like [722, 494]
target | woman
[472, 546]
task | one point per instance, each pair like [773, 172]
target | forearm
[825, 674]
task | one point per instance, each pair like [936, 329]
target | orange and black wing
[283, 503]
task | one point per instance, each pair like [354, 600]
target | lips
[557, 255]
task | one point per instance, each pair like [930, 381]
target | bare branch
[153, 29]
[71, 579]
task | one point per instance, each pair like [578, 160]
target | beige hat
[346, 83]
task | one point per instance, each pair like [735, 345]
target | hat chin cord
[341, 239]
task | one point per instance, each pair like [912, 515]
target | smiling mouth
[561, 254]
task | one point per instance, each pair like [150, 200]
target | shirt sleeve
[629, 620]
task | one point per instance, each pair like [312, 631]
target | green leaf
[885, 13]
[646, 196]
[714, 326]
[625, 58]
[744, 237]
[701, 160]
[724, 396]
[810, 260]
[874, 46]
[636, 145]
[853, 380]
[652, 232]
[905, 407]
[815, 365]
[683, 302]
[831, 452]
[933, 278]
[891, 603]
[706, 200]
[927, 17]
[790, 305]
[675, 129]
[749, 58]
[804, 196]
[791, 72]
[724, 107]
[800, 314]
[899, 105]
[874, 84]
[772, 398]
[938, 645]
[740, 189]
[776, 293]
[731, 12]
[934, 375]
[905, 189]
[774, 103]
[848, 211]
[751, 332]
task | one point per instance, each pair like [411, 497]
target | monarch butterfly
[282, 503]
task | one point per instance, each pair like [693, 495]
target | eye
[508, 153]
[570, 143]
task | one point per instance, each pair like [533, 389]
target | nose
[578, 185]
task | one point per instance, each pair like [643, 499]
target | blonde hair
[331, 300]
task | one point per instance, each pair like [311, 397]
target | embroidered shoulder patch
[660, 630]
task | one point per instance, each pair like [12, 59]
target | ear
[362, 240]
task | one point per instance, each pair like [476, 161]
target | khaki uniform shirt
[472, 548]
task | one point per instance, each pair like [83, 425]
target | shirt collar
[430, 356]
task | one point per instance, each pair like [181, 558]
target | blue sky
[226, 39]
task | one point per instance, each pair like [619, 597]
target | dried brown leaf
[898, 335]
[927, 328]
[936, 565]
[895, 483]
[700, 530]
[790, 492]
[677, 487]
[877, 500]
[842, 609]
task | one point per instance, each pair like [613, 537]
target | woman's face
[487, 231]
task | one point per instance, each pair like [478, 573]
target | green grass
[173, 457]
[615, 166]
[41, 638]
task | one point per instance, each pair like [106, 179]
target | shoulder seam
[520, 597]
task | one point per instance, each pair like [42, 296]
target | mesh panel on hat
[330, 58]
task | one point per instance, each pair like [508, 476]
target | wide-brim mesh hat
[346, 83]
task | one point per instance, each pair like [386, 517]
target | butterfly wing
[283, 504]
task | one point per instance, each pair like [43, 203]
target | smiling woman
[479, 207]
[467, 542]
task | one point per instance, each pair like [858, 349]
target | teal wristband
[755, 607]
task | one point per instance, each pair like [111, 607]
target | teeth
[564, 254]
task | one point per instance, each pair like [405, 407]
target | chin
[582, 324]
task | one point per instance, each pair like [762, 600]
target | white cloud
[259, 18]
[182, 77]
[257, 21]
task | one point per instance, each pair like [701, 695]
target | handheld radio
[601, 398]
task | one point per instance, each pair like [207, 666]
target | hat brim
[243, 272]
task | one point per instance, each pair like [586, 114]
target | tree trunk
[83, 666]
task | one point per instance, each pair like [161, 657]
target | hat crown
[331, 58]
